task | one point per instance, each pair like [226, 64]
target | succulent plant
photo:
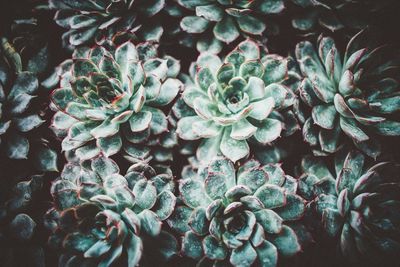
[111, 98]
[236, 99]
[20, 217]
[229, 19]
[239, 216]
[90, 21]
[354, 94]
[358, 205]
[99, 215]
[28, 39]
[21, 113]
[334, 15]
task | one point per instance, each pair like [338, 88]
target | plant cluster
[199, 133]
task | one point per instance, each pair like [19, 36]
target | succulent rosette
[111, 98]
[353, 96]
[358, 205]
[91, 21]
[234, 100]
[22, 113]
[100, 215]
[334, 15]
[20, 219]
[238, 217]
[229, 19]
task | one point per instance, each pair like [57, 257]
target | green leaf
[333, 221]
[324, 116]
[165, 205]
[242, 130]
[215, 185]
[255, 89]
[269, 130]
[167, 245]
[276, 69]
[192, 246]
[349, 127]
[104, 166]
[206, 129]
[185, 128]
[61, 97]
[28, 123]
[84, 67]
[267, 254]
[387, 105]
[194, 24]
[329, 139]
[250, 24]
[99, 248]
[198, 221]
[78, 242]
[286, 242]
[17, 147]
[252, 178]
[193, 193]
[225, 30]
[233, 149]
[205, 108]
[140, 121]
[225, 73]
[26, 82]
[270, 7]
[210, 12]
[126, 54]
[106, 129]
[169, 90]
[271, 196]
[150, 223]
[159, 123]
[179, 219]
[110, 145]
[137, 75]
[209, 148]
[134, 250]
[388, 128]
[250, 49]
[213, 249]
[82, 36]
[113, 255]
[81, 21]
[20, 103]
[46, 160]
[270, 221]
[346, 84]
[145, 194]
[131, 219]
[294, 208]
[204, 79]
[262, 109]
[251, 68]
[243, 256]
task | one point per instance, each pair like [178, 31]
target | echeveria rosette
[100, 215]
[229, 19]
[334, 15]
[358, 205]
[91, 21]
[22, 114]
[20, 218]
[354, 95]
[234, 100]
[238, 217]
[110, 96]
